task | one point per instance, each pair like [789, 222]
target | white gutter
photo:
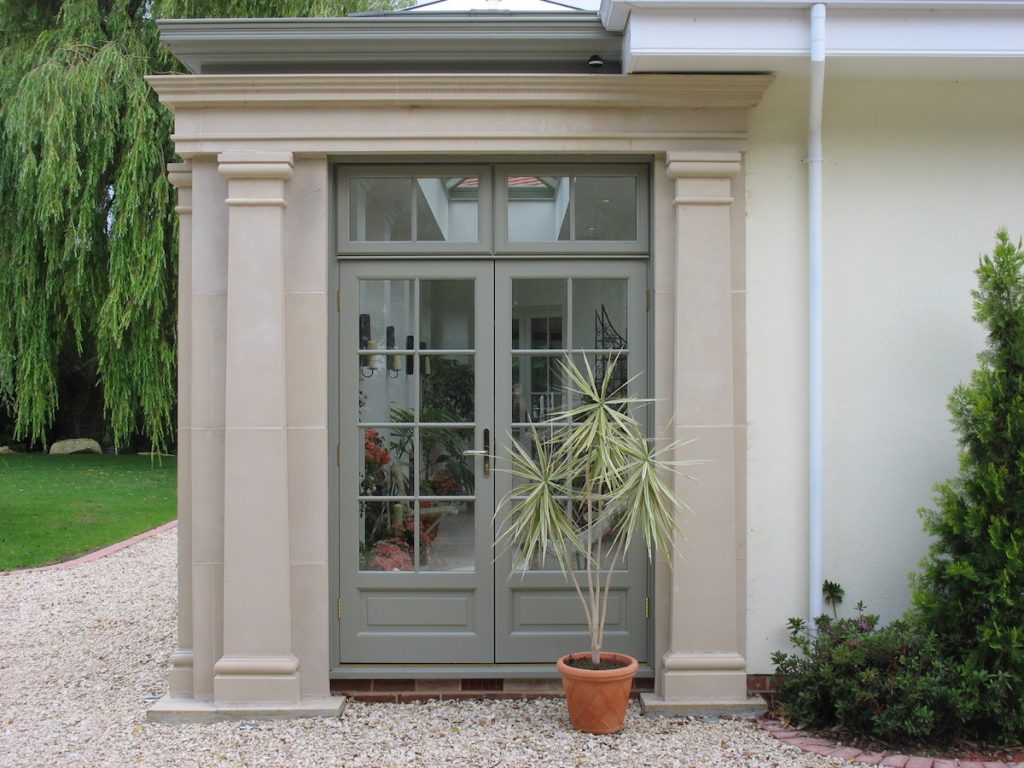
[814, 163]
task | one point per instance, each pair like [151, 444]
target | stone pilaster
[257, 667]
[180, 678]
[703, 667]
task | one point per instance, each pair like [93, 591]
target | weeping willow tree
[87, 230]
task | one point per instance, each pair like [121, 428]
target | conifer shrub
[970, 589]
[953, 668]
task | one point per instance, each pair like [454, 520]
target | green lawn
[54, 508]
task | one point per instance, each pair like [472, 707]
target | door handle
[485, 452]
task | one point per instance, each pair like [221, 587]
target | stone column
[180, 678]
[257, 668]
[704, 667]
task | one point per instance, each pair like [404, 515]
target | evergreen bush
[970, 590]
[890, 684]
[953, 668]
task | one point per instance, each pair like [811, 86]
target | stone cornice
[476, 90]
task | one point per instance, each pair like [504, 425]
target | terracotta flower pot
[597, 698]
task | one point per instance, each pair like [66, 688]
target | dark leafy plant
[970, 590]
[890, 684]
[834, 595]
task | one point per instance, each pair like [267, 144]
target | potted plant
[582, 493]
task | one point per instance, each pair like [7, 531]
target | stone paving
[827, 748]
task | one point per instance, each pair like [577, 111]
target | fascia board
[202, 45]
[866, 41]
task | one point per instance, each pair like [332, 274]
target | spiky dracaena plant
[588, 488]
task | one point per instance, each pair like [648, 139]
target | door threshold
[453, 671]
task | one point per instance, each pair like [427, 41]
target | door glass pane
[385, 314]
[599, 313]
[445, 470]
[446, 314]
[447, 388]
[615, 363]
[388, 539]
[538, 314]
[385, 461]
[605, 207]
[386, 381]
[538, 389]
[538, 208]
[386, 388]
[447, 533]
[380, 209]
[448, 209]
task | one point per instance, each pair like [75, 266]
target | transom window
[493, 210]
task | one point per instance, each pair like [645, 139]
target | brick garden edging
[89, 557]
[808, 743]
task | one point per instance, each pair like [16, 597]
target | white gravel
[82, 651]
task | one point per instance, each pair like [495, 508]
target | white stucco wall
[918, 176]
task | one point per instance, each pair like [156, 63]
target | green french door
[441, 364]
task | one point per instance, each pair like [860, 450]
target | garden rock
[5, 451]
[75, 445]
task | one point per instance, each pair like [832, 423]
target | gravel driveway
[83, 650]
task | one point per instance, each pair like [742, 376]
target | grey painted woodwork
[419, 582]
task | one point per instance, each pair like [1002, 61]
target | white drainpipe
[814, 162]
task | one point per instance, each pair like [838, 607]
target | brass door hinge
[647, 300]
[647, 608]
[339, 609]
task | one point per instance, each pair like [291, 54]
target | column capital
[255, 165]
[704, 165]
[180, 175]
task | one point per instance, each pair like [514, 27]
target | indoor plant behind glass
[581, 492]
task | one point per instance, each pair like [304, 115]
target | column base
[179, 679]
[257, 680]
[172, 710]
[705, 684]
[748, 706]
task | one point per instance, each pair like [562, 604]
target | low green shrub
[890, 684]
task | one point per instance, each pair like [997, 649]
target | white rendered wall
[918, 176]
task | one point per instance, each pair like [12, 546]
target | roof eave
[242, 45]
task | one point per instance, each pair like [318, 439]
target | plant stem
[607, 589]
